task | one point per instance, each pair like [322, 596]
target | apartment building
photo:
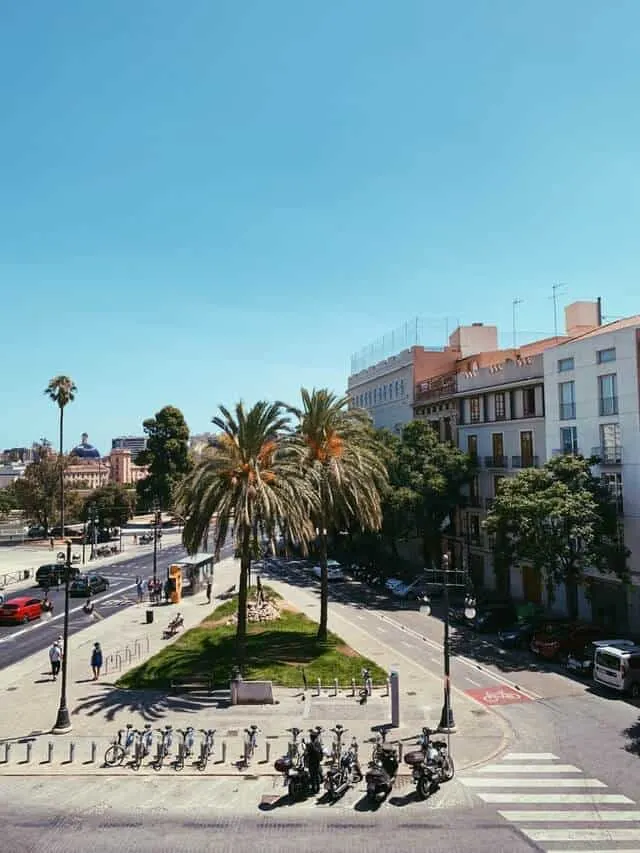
[592, 387]
[135, 443]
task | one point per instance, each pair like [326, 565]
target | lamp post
[63, 720]
[156, 521]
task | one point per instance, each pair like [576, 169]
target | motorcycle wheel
[294, 791]
[424, 787]
[449, 769]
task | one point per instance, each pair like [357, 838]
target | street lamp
[156, 522]
[63, 720]
[447, 722]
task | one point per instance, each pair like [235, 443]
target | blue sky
[211, 200]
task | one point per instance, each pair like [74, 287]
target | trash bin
[149, 617]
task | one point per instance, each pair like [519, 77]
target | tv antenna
[515, 303]
[555, 290]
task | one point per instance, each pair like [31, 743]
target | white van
[618, 669]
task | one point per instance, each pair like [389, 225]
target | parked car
[416, 589]
[37, 531]
[391, 583]
[491, 619]
[517, 636]
[21, 609]
[52, 574]
[89, 584]
[581, 661]
[618, 669]
[555, 640]
[334, 571]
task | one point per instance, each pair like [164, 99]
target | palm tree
[253, 481]
[344, 469]
[62, 390]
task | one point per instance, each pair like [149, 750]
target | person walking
[139, 589]
[96, 661]
[209, 590]
[55, 658]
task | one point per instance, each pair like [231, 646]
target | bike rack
[72, 752]
[50, 753]
[353, 687]
[335, 686]
[319, 688]
[94, 748]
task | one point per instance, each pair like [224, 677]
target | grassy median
[277, 651]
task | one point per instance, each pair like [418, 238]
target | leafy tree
[8, 499]
[344, 469]
[74, 504]
[431, 473]
[252, 480]
[166, 454]
[62, 390]
[38, 492]
[561, 520]
[113, 502]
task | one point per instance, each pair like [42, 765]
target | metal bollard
[49, 753]
[335, 686]
[400, 748]
[72, 752]
[267, 750]
[319, 687]
[388, 686]
[93, 751]
[7, 752]
[29, 751]
[353, 687]
[224, 751]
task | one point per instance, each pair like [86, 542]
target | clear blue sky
[210, 200]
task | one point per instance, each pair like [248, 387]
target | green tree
[344, 469]
[38, 492]
[561, 520]
[252, 480]
[431, 474]
[166, 454]
[113, 502]
[62, 390]
[8, 499]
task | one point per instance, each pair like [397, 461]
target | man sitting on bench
[174, 626]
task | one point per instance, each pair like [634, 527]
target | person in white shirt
[55, 658]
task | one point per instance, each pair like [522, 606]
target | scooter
[432, 765]
[345, 769]
[382, 771]
[294, 767]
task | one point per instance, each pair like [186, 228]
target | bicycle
[250, 743]
[120, 746]
[164, 746]
[367, 687]
[143, 746]
[207, 748]
[293, 749]
[185, 748]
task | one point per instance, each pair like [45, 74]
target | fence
[132, 651]
[14, 577]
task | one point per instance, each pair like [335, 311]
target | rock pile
[264, 611]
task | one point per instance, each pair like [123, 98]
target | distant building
[135, 443]
[10, 472]
[198, 442]
[123, 468]
[17, 454]
[87, 470]
[84, 450]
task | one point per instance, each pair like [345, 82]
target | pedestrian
[259, 592]
[314, 761]
[51, 544]
[135, 538]
[209, 590]
[139, 590]
[55, 658]
[96, 660]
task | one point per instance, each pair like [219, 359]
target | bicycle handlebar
[207, 732]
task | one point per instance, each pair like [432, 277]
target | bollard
[267, 751]
[72, 752]
[93, 751]
[319, 687]
[224, 751]
[353, 687]
[29, 751]
[388, 687]
[49, 753]
[7, 752]
[335, 686]
[400, 747]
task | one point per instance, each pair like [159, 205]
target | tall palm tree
[344, 470]
[253, 481]
[62, 390]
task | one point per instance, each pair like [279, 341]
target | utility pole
[63, 720]
[516, 302]
[156, 522]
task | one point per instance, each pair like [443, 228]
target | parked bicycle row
[308, 764]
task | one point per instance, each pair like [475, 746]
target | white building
[10, 473]
[592, 406]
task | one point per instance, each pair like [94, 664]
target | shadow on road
[633, 733]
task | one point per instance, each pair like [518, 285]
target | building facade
[135, 443]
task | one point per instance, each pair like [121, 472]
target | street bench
[193, 684]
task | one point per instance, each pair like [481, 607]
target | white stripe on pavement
[546, 816]
[532, 783]
[586, 835]
[529, 756]
[529, 768]
[559, 799]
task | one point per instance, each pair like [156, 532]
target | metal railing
[130, 652]
[496, 461]
[608, 455]
[524, 461]
[567, 411]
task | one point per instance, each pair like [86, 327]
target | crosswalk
[556, 806]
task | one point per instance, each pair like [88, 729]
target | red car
[21, 609]
[558, 640]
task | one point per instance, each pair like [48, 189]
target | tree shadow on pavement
[633, 733]
[484, 651]
[151, 705]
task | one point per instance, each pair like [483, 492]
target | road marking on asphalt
[435, 660]
[477, 683]
[554, 799]
[529, 756]
[528, 768]
[586, 835]
[531, 783]
[564, 815]
[408, 645]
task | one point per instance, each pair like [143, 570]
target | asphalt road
[18, 642]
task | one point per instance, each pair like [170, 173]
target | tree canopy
[166, 454]
[38, 492]
[114, 505]
[561, 520]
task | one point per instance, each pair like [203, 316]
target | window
[528, 402]
[569, 439]
[474, 406]
[402, 387]
[497, 446]
[608, 394]
[526, 448]
[565, 364]
[610, 450]
[472, 446]
[500, 407]
[397, 389]
[614, 482]
[605, 355]
[474, 528]
[567, 394]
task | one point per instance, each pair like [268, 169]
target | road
[18, 642]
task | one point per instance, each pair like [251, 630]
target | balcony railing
[496, 461]
[567, 451]
[608, 454]
[568, 411]
[524, 461]
[436, 388]
[608, 405]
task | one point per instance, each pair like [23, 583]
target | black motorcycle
[432, 765]
[382, 770]
[298, 766]
[345, 768]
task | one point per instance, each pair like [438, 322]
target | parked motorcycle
[294, 767]
[432, 765]
[382, 770]
[345, 768]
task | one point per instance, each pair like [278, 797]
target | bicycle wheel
[203, 760]
[178, 764]
[114, 755]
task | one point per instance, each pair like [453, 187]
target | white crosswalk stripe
[541, 794]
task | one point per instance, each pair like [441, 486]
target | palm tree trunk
[61, 472]
[323, 629]
[241, 631]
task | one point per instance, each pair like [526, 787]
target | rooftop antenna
[516, 302]
[556, 287]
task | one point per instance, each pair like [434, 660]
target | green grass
[276, 651]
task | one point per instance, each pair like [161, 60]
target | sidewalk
[98, 709]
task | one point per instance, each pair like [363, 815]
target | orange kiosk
[175, 584]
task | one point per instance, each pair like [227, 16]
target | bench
[251, 692]
[192, 684]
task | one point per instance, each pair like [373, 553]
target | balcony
[608, 454]
[567, 451]
[436, 388]
[496, 461]
[568, 411]
[608, 405]
[525, 462]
